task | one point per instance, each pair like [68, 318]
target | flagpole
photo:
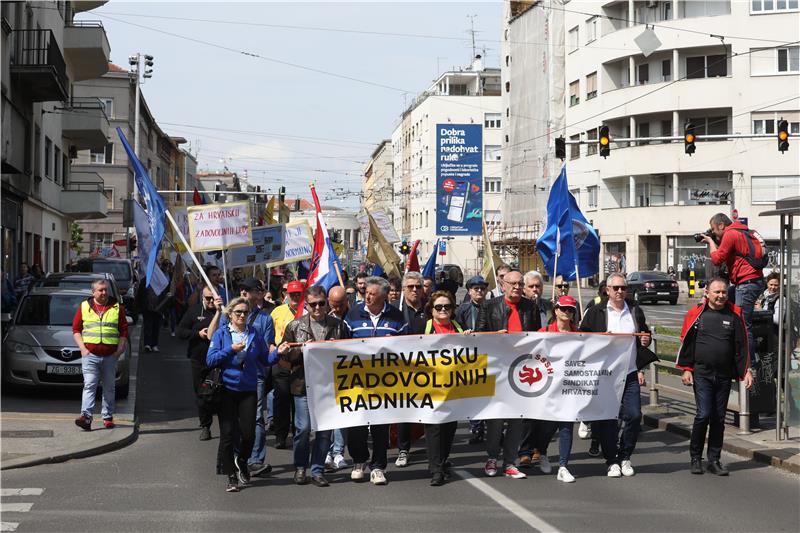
[196, 262]
[488, 243]
[555, 262]
[225, 275]
[580, 298]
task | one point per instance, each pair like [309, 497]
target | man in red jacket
[738, 251]
[713, 352]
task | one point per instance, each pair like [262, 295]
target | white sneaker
[377, 477]
[402, 459]
[329, 466]
[359, 469]
[339, 462]
[564, 475]
[544, 465]
[584, 431]
[147, 348]
[614, 471]
[155, 349]
[627, 468]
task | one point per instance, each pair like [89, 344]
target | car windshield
[121, 271]
[653, 275]
[49, 309]
[72, 283]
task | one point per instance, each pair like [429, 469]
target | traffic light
[688, 138]
[133, 243]
[561, 148]
[404, 248]
[783, 135]
[605, 142]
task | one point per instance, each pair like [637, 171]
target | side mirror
[129, 320]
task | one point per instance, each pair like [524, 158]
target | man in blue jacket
[372, 318]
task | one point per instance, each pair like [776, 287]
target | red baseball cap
[295, 286]
[567, 301]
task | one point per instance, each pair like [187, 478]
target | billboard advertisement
[459, 179]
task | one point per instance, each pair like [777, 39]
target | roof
[116, 68]
[304, 204]
[785, 206]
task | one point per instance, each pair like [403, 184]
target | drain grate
[27, 434]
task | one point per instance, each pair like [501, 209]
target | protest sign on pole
[298, 243]
[219, 226]
[434, 379]
[267, 247]
[384, 224]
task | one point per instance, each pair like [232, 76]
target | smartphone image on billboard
[458, 202]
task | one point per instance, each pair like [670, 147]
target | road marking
[15, 507]
[9, 526]
[516, 509]
[21, 492]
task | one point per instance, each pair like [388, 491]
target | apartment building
[45, 51]
[469, 96]
[377, 187]
[645, 68]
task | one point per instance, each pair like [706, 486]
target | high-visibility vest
[100, 329]
[429, 327]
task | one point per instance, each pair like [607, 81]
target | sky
[294, 92]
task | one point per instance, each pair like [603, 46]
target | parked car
[652, 286]
[124, 274]
[76, 280]
[40, 350]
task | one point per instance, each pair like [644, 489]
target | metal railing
[87, 104]
[85, 24]
[739, 404]
[88, 186]
[39, 48]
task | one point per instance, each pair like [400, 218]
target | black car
[652, 286]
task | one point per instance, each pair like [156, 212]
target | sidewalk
[39, 431]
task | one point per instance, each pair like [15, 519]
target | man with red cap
[282, 396]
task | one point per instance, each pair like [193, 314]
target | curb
[784, 459]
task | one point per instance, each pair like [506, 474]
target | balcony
[38, 66]
[85, 123]
[84, 198]
[87, 50]
[86, 5]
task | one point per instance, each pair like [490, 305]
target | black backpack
[752, 257]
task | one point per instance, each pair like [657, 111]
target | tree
[75, 237]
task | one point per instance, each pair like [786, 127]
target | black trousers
[439, 440]
[237, 410]
[359, 450]
[533, 434]
[711, 396]
[205, 411]
[282, 403]
[404, 436]
[511, 439]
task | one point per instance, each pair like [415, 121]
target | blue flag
[430, 267]
[153, 204]
[569, 239]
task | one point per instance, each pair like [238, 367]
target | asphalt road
[165, 481]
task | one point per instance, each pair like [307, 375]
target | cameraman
[737, 251]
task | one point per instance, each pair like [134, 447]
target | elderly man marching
[100, 330]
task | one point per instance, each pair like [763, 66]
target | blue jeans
[631, 415]
[302, 438]
[97, 369]
[711, 396]
[339, 442]
[259, 454]
[549, 428]
[746, 296]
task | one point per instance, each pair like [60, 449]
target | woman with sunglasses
[239, 351]
[440, 310]
[562, 322]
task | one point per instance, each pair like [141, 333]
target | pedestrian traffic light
[404, 248]
[688, 138]
[605, 142]
[561, 148]
[783, 135]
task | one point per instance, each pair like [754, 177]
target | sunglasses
[443, 307]
[317, 304]
[208, 298]
[567, 309]
[239, 312]
[618, 287]
[563, 285]
[413, 287]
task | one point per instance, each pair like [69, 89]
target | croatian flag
[324, 262]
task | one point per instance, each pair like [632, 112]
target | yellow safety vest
[100, 329]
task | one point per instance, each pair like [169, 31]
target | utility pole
[138, 77]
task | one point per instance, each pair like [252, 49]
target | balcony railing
[35, 58]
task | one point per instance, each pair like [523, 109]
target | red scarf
[514, 322]
[440, 328]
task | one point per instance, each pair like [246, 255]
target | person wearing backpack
[742, 250]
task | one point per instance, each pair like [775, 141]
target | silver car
[39, 349]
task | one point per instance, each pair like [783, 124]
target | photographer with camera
[742, 251]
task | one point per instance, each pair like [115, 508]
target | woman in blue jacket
[239, 351]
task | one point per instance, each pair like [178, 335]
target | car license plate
[663, 294]
[64, 370]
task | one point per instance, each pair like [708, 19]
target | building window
[492, 152]
[789, 59]
[706, 66]
[572, 39]
[492, 185]
[574, 93]
[109, 194]
[57, 165]
[591, 85]
[108, 107]
[104, 156]
[491, 120]
[767, 6]
[666, 130]
[768, 189]
[48, 153]
[574, 149]
[591, 30]
[666, 70]
[768, 126]
[100, 240]
[643, 130]
[592, 196]
[591, 148]
[642, 74]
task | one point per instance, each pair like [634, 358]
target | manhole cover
[27, 434]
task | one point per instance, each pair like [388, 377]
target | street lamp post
[138, 77]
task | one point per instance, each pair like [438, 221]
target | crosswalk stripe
[9, 526]
[15, 507]
[21, 492]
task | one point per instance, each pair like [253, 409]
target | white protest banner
[440, 378]
[298, 243]
[218, 226]
[383, 222]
